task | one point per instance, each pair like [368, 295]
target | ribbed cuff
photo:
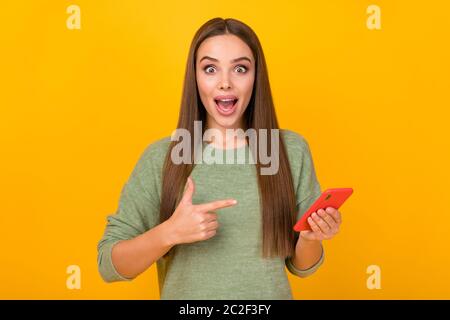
[307, 272]
[106, 266]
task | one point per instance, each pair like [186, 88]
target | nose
[224, 83]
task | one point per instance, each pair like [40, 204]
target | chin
[226, 122]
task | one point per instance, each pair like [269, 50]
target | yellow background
[79, 106]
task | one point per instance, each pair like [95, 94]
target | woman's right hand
[192, 223]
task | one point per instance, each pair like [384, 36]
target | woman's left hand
[324, 224]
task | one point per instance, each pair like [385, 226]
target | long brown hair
[277, 195]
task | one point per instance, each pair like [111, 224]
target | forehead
[224, 48]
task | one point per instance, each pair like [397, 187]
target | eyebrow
[234, 60]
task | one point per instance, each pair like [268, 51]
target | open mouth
[226, 107]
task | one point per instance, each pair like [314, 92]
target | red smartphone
[329, 198]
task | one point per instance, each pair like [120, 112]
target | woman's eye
[208, 68]
[243, 68]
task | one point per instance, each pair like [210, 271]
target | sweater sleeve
[308, 190]
[137, 212]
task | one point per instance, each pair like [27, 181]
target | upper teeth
[226, 99]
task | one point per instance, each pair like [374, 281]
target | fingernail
[233, 201]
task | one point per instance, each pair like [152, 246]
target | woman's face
[225, 72]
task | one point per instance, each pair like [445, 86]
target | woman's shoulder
[160, 145]
[294, 141]
[156, 150]
[297, 148]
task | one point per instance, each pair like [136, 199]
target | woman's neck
[228, 138]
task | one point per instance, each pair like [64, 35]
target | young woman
[220, 230]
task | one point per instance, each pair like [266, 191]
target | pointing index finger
[219, 204]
